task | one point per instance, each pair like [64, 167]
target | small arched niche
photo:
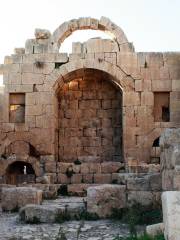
[20, 172]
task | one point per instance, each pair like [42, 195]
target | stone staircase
[58, 210]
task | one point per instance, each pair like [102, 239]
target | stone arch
[83, 111]
[153, 151]
[5, 163]
[21, 148]
[15, 173]
[104, 24]
[59, 76]
[22, 151]
[156, 142]
[153, 136]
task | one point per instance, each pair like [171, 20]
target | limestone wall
[90, 120]
[39, 71]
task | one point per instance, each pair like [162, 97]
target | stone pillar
[170, 159]
[171, 215]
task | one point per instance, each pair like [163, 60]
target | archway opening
[20, 172]
[155, 151]
[90, 118]
[81, 40]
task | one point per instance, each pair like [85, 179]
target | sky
[152, 25]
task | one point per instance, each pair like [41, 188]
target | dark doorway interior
[15, 173]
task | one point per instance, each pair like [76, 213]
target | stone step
[79, 189]
[50, 191]
[51, 211]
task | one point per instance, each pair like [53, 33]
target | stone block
[85, 168]
[76, 178]
[138, 183]
[147, 98]
[88, 178]
[31, 78]
[138, 85]
[15, 88]
[94, 167]
[111, 167]
[34, 110]
[50, 167]
[89, 132]
[121, 178]
[155, 229]
[171, 214]
[155, 181]
[63, 167]
[154, 59]
[42, 213]
[78, 189]
[144, 198]
[42, 33]
[17, 197]
[63, 179]
[94, 104]
[161, 86]
[176, 85]
[100, 178]
[103, 200]
[131, 99]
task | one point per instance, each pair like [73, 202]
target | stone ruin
[87, 118]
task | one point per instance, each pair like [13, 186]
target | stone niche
[90, 118]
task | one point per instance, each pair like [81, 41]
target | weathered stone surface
[44, 179]
[155, 229]
[41, 213]
[13, 198]
[170, 155]
[53, 210]
[171, 216]
[144, 198]
[99, 109]
[42, 33]
[102, 200]
[104, 229]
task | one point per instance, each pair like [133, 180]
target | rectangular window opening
[161, 107]
[17, 107]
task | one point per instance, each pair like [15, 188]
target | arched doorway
[90, 118]
[15, 173]
[155, 151]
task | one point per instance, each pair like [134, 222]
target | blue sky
[152, 25]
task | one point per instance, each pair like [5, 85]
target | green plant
[61, 235]
[63, 217]
[138, 214]
[63, 190]
[69, 172]
[34, 220]
[84, 215]
[15, 210]
[81, 225]
[142, 237]
[77, 162]
[114, 181]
